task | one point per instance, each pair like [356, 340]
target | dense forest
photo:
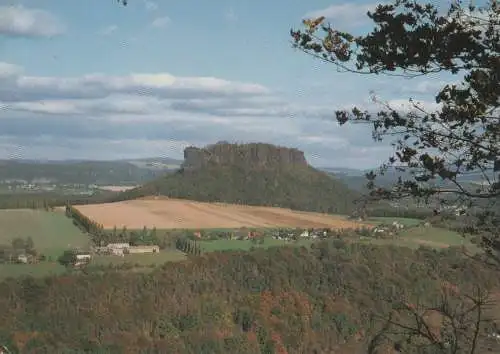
[333, 297]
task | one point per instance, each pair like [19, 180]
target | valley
[283, 241]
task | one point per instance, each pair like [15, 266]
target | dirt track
[185, 214]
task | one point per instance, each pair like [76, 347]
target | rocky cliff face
[254, 155]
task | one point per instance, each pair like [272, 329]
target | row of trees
[47, 200]
[20, 201]
[134, 237]
[188, 246]
[82, 221]
[102, 237]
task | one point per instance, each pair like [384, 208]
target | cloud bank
[99, 116]
[20, 21]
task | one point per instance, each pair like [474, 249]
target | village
[23, 251]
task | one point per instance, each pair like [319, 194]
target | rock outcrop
[253, 156]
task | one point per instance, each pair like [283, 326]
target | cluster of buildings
[113, 249]
[390, 230]
[287, 235]
[121, 249]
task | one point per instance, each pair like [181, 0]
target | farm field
[245, 245]
[390, 220]
[426, 236]
[51, 232]
[43, 269]
[186, 214]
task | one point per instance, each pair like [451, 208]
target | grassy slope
[51, 232]
[390, 220]
[297, 188]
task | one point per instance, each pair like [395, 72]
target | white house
[118, 249]
[397, 225]
[82, 258]
[118, 245]
[22, 258]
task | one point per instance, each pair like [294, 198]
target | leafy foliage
[411, 39]
[68, 258]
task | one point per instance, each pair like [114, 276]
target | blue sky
[91, 79]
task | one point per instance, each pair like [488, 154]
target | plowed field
[186, 214]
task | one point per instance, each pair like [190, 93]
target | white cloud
[343, 15]
[9, 70]
[160, 22]
[106, 31]
[425, 87]
[28, 22]
[31, 88]
[49, 107]
[45, 147]
[150, 5]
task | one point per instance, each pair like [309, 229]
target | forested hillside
[298, 188]
[252, 174]
[334, 297]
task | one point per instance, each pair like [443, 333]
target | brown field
[186, 214]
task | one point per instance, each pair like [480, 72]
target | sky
[90, 79]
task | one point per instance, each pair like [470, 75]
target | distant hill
[140, 171]
[156, 163]
[252, 174]
[123, 172]
[356, 179]
[341, 171]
